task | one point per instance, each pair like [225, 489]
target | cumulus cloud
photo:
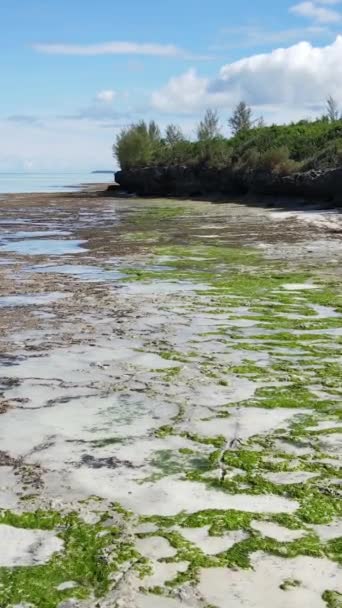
[183, 93]
[298, 75]
[314, 11]
[115, 48]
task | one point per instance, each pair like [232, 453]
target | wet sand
[170, 392]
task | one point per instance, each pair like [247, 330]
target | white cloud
[105, 96]
[298, 76]
[181, 94]
[312, 10]
[115, 48]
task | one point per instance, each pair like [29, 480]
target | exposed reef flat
[170, 404]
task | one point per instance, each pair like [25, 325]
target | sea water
[49, 182]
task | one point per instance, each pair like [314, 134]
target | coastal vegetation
[284, 149]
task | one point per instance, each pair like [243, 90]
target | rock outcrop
[325, 185]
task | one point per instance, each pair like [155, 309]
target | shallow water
[49, 182]
[45, 247]
[31, 299]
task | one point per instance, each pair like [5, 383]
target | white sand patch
[84, 364]
[243, 422]
[84, 419]
[22, 547]
[8, 485]
[260, 587]
[299, 286]
[325, 312]
[170, 496]
[66, 585]
[34, 393]
[331, 443]
[291, 448]
[163, 572]
[279, 533]
[157, 601]
[155, 547]
[161, 287]
[146, 528]
[211, 545]
[326, 425]
[204, 392]
[329, 531]
[287, 478]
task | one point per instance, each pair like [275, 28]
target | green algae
[295, 396]
[333, 599]
[155, 214]
[238, 277]
[89, 559]
[289, 583]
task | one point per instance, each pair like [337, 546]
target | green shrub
[273, 158]
[281, 148]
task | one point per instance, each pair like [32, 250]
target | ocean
[49, 182]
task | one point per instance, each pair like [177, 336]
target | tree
[241, 119]
[173, 135]
[260, 122]
[138, 145]
[209, 127]
[332, 109]
[134, 146]
[154, 131]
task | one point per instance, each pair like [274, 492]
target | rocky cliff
[198, 181]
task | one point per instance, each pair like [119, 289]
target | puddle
[23, 234]
[44, 247]
[90, 274]
[34, 299]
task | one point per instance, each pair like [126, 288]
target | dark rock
[325, 185]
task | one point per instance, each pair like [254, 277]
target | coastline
[324, 187]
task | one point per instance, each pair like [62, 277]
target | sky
[75, 72]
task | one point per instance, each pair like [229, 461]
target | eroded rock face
[194, 181]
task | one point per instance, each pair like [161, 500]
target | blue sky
[74, 72]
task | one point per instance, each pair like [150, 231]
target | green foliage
[137, 145]
[241, 120]
[283, 149]
[208, 128]
[173, 135]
